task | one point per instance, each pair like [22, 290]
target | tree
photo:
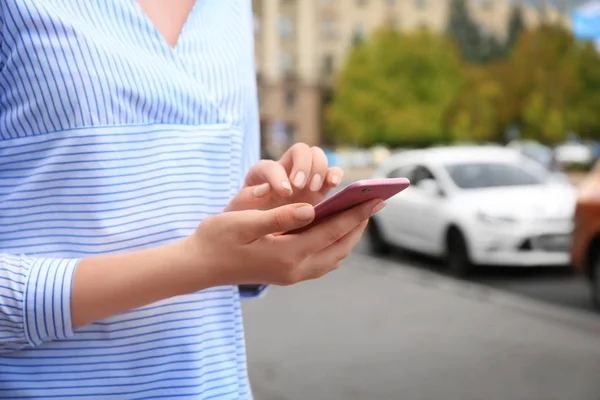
[476, 113]
[516, 26]
[585, 106]
[476, 45]
[550, 74]
[395, 88]
[464, 30]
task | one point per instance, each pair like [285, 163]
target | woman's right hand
[232, 248]
[247, 247]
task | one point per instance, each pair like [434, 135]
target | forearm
[107, 285]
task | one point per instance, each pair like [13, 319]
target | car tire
[595, 280]
[458, 261]
[377, 243]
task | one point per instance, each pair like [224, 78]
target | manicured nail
[304, 213]
[335, 180]
[261, 190]
[299, 179]
[316, 183]
[286, 185]
[378, 207]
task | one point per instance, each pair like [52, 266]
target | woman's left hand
[302, 175]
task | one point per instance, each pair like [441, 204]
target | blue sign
[332, 158]
[586, 21]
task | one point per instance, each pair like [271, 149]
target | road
[557, 286]
[380, 329]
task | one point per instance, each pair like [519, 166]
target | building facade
[299, 44]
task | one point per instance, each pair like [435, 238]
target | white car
[476, 206]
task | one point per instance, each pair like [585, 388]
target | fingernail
[286, 185]
[315, 184]
[378, 207]
[335, 180]
[299, 179]
[303, 213]
[261, 190]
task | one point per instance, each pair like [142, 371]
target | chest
[169, 18]
[78, 63]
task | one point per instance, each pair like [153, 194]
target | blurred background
[481, 281]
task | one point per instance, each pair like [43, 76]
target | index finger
[271, 172]
[297, 161]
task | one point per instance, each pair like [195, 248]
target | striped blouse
[110, 141]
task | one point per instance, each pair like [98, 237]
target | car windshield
[540, 154]
[485, 175]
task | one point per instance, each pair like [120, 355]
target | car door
[397, 219]
[427, 204]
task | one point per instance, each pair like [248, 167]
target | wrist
[195, 268]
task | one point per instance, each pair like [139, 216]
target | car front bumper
[535, 243]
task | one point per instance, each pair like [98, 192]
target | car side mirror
[430, 187]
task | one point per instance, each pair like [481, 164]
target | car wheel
[595, 280]
[377, 243]
[457, 254]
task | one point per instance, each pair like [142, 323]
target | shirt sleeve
[35, 301]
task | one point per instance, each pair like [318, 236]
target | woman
[123, 125]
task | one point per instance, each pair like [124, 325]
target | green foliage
[395, 88]
[475, 113]
[475, 45]
[556, 81]
[422, 88]
[585, 102]
[516, 26]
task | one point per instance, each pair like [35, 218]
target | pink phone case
[360, 192]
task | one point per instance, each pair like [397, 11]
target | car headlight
[495, 219]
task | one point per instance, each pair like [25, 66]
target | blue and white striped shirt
[110, 141]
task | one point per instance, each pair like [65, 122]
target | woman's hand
[247, 247]
[302, 175]
[239, 247]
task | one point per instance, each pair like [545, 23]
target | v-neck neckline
[158, 34]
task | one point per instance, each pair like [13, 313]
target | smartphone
[350, 196]
[355, 194]
[360, 192]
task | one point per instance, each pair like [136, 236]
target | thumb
[256, 224]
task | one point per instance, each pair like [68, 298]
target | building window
[328, 28]
[422, 3]
[286, 27]
[487, 4]
[286, 62]
[290, 98]
[358, 34]
[328, 64]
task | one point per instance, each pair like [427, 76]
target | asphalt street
[380, 329]
[558, 286]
